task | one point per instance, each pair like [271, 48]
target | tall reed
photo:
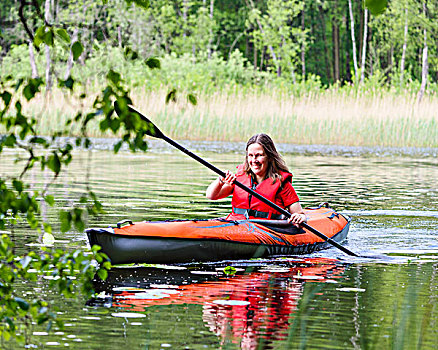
[330, 117]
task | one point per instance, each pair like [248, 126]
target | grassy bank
[330, 117]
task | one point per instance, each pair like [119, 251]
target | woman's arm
[221, 187]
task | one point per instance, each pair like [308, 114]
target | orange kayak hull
[182, 241]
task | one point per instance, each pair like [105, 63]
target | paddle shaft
[257, 195]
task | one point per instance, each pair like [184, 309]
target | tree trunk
[348, 76]
[405, 43]
[335, 38]
[280, 58]
[184, 13]
[234, 44]
[364, 46]
[303, 47]
[292, 73]
[425, 62]
[262, 58]
[33, 65]
[353, 40]
[210, 42]
[324, 38]
[48, 19]
[119, 35]
[70, 56]
[255, 58]
[271, 49]
[49, 78]
[390, 64]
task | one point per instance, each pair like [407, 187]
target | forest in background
[306, 72]
[214, 45]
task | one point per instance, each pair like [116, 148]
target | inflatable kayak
[182, 241]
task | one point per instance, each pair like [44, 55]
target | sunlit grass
[331, 117]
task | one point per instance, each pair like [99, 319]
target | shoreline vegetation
[326, 117]
[304, 72]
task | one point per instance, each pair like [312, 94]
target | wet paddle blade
[151, 128]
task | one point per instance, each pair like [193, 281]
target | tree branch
[23, 3]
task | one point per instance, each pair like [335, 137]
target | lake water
[325, 300]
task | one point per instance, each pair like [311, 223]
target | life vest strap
[257, 214]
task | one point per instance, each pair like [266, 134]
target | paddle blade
[151, 129]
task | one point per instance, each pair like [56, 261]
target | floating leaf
[230, 270]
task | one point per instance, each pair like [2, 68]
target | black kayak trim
[122, 249]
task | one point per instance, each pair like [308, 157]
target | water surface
[325, 300]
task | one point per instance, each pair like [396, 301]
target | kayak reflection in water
[252, 308]
[264, 171]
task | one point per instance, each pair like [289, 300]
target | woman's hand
[298, 216]
[221, 187]
[228, 179]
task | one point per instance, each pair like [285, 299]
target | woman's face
[257, 160]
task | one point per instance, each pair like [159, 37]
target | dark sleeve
[288, 195]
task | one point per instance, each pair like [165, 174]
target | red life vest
[242, 201]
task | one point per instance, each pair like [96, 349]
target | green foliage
[44, 34]
[272, 30]
[70, 273]
[182, 73]
[77, 50]
[287, 38]
[376, 7]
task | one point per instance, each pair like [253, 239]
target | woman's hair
[275, 161]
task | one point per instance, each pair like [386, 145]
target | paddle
[153, 131]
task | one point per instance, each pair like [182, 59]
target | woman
[265, 172]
